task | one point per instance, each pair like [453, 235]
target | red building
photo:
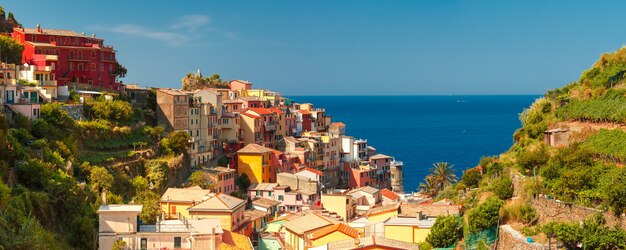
[72, 57]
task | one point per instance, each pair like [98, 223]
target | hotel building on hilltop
[69, 57]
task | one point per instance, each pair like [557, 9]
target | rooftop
[235, 241]
[254, 214]
[170, 91]
[205, 226]
[120, 208]
[218, 202]
[379, 156]
[54, 32]
[261, 111]
[383, 209]
[410, 221]
[372, 241]
[189, 194]
[339, 227]
[389, 194]
[306, 223]
[263, 186]
[429, 210]
[254, 148]
[264, 202]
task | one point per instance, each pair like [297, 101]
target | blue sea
[422, 130]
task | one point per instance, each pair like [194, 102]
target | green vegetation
[199, 178]
[485, 215]
[446, 231]
[471, 178]
[441, 176]
[610, 107]
[592, 234]
[607, 144]
[194, 81]
[10, 50]
[503, 188]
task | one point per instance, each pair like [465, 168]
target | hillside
[546, 187]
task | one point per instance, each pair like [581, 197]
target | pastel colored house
[371, 197]
[255, 161]
[266, 205]
[332, 233]
[372, 242]
[118, 222]
[297, 230]
[250, 128]
[223, 179]
[229, 210]
[408, 229]
[175, 201]
[342, 204]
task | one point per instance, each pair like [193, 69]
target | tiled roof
[241, 81]
[234, 241]
[174, 91]
[185, 194]
[260, 111]
[315, 171]
[389, 194]
[343, 228]
[254, 148]
[429, 210]
[304, 112]
[218, 202]
[306, 223]
[369, 189]
[264, 202]
[254, 214]
[250, 115]
[339, 124]
[410, 221]
[263, 186]
[383, 209]
[276, 110]
[379, 156]
[219, 170]
[372, 241]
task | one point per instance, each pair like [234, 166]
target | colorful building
[175, 201]
[408, 229]
[229, 210]
[342, 204]
[297, 230]
[73, 58]
[255, 161]
[222, 178]
[332, 233]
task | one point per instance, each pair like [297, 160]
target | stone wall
[552, 210]
[75, 111]
[509, 238]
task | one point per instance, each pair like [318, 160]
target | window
[144, 244]
[93, 54]
[280, 198]
[93, 67]
[173, 210]
[176, 242]
[269, 193]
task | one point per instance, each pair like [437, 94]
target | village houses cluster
[312, 185]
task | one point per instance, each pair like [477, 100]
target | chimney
[82, 33]
[104, 197]
[357, 243]
[419, 215]
[38, 28]
[93, 35]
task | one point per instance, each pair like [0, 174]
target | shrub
[445, 232]
[485, 215]
[503, 188]
[529, 159]
[471, 177]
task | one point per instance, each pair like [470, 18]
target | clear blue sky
[348, 47]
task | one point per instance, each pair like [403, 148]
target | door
[10, 96]
[144, 244]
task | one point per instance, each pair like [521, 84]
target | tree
[485, 215]
[446, 231]
[443, 175]
[119, 245]
[179, 142]
[120, 71]
[471, 177]
[428, 187]
[243, 182]
[10, 50]
[198, 178]
[100, 179]
[503, 188]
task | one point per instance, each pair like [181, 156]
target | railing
[270, 126]
[107, 58]
[47, 83]
[78, 58]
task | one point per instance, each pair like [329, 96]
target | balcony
[78, 58]
[270, 126]
[47, 83]
[397, 163]
[107, 58]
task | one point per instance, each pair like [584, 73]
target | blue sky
[348, 47]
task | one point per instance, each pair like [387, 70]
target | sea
[423, 130]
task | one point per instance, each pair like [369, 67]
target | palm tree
[428, 186]
[443, 175]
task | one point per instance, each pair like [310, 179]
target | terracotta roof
[190, 194]
[264, 202]
[343, 228]
[389, 194]
[234, 241]
[174, 91]
[218, 170]
[219, 202]
[410, 221]
[429, 210]
[340, 124]
[304, 112]
[372, 241]
[276, 110]
[366, 189]
[383, 209]
[379, 156]
[254, 214]
[254, 148]
[260, 111]
[277, 152]
[306, 223]
[251, 115]
[240, 81]
[315, 171]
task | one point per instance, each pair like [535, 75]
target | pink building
[297, 200]
[223, 179]
[240, 85]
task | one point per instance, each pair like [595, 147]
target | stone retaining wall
[75, 111]
[552, 210]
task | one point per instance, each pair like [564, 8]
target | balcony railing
[47, 83]
[270, 126]
[78, 58]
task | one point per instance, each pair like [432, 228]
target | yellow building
[175, 201]
[265, 95]
[341, 204]
[250, 126]
[408, 229]
[255, 161]
[229, 210]
[296, 230]
[332, 233]
[382, 213]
